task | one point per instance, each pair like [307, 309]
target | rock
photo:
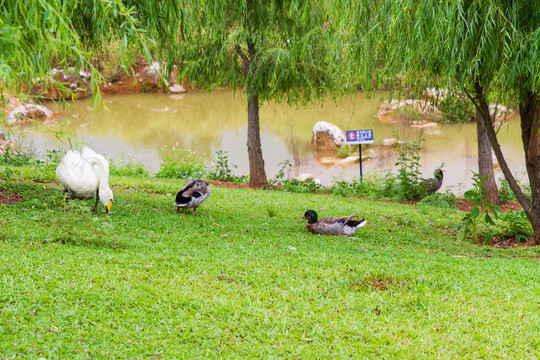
[389, 142]
[420, 124]
[304, 177]
[327, 160]
[349, 160]
[28, 111]
[153, 71]
[177, 89]
[500, 112]
[327, 136]
[435, 93]
[391, 112]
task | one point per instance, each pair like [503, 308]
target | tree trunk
[257, 175]
[256, 162]
[485, 161]
[529, 111]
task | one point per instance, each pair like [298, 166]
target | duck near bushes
[192, 195]
[345, 225]
[84, 175]
[431, 185]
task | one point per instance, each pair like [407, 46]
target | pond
[144, 127]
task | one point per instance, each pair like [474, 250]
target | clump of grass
[347, 150]
[271, 210]
[16, 155]
[377, 282]
[127, 168]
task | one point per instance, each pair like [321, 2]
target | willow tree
[37, 36]
[483, 47]
[272, 50]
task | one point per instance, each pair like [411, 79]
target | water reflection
[141, 127]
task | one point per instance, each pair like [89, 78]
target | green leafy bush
[181, 164]
[307, 186]
[222, 170]
[405, 185]
[481, 208]
[442, 200]
[456, 109]
[372, 186]
[282, 176]
[515, 224]
[346, 150]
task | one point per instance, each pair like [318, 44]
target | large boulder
[327, 136]
[28, 111]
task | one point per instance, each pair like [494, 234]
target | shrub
[456, 109]
[515, 224]
[481, 207]
[442, 200]
[181, 164]
[346, 150]
[405, 184]
[222, 170]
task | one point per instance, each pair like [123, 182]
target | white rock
[176, 89]
[349, 160]
[389, 142]
[327, 160]
[28, 111]
[327, 135]
[425, 125]
[304, 177]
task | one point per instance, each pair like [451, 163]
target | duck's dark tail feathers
[356, 223]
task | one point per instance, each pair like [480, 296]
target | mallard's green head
[310, 216]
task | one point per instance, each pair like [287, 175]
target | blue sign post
[359, 137]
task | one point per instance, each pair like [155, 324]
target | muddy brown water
[145, 128]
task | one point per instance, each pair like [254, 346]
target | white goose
[84, 174]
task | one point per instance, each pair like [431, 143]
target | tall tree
[272, 50]
[480, 46]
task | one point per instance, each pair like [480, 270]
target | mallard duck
[85, 175]
[344, 225]
[431, 185]
[192, 195]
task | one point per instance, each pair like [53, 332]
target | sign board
[359, 137]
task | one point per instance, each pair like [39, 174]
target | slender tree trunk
[529, 111]
[256, 161]
[257, 175]
[485, 160]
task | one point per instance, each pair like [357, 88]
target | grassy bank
[243, 279]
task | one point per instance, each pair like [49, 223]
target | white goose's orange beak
[108, 207]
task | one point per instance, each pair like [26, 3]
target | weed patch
[380, 283]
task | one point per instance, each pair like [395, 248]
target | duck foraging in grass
[192, 195]
[345, 225]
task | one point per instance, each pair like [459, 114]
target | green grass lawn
[243, 279]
